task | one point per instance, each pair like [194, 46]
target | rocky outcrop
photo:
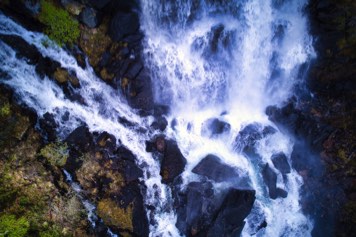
[32, 187]
[204, 211]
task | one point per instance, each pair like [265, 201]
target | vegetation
[60, 26]
[5, 110]
[55, 153]
[12, 227]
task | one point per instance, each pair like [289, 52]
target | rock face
[90, 17]
[123, 24]
[173, 162]
[202, 211]
[214, 169]
[270, 179]
[281, 163]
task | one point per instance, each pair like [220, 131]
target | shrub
[60, 26]
[55, 153]
[5, 110]
[12, 227]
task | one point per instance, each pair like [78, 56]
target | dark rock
[99, 4]
[281, 163]
[173, 162]
[129, 167]
[46, 67]
[134, 69]
[213, 168]
[248, 136]
[214, 126]
[90, 17]
[270, 179]
[123, 24]
[22, 48]
[107, 141]
[80, 139]
[235, 208]
[160, 124]
[122, 5]
[197, 209]
[48, 126]
[141, 95]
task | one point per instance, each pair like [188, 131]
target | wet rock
[80, 139]
[270, 179]
[72, 7]
[230, 218]
[140, 94]
[22, 48]
[173, 162]
[90, 17]
[249, 135]
[281, 163]
[48, 126]
[159, 124]
[62, 76]
[107, 141]
[197, 208]
[213, 168]
[46, 67]
[123, 24]
[214, 126]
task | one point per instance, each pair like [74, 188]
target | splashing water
[230, 60]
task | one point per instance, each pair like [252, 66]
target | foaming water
[230, 60]
[102, 108]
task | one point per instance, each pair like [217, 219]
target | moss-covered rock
[114, 215]
[62, 76]
[55, 153]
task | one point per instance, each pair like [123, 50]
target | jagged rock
[230, 218]
[80, 139]
[123, 24]
[214, 126]
[173, 161]
[213, 168]
[197, 207]
[249, 135]
[48, 126]
[23, 49]
[270, 179]
[281, 163]
[107, 141]
[160, 123]
[90, 17]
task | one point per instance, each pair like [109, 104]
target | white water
[235, 79]
[198, 85]
[102, 109]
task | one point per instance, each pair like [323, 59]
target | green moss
[12, 227]
[113, 215]
[55, 153]
[5, 110]
[60, 27]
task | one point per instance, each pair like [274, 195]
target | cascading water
[230, 60]
[209, 59]
[101, 111]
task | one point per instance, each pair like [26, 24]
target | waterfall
[230, 60]
[224, 59]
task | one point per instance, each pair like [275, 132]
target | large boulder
[250, 134]
[123, 24]
[230, 218]
[270, 179]
[173, 161]
[90, 17]
[214, 169]
[197, 207]
[281, 163]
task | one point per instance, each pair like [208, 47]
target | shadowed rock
[281, 163]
